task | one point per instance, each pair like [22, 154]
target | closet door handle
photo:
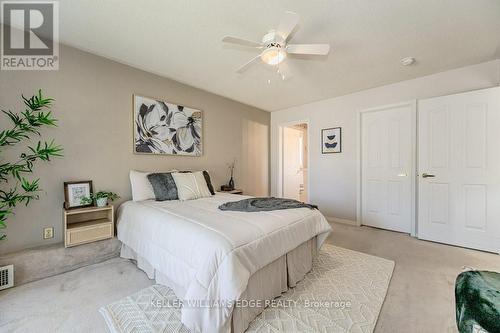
[426, 175]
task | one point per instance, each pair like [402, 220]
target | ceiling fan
[274, 45]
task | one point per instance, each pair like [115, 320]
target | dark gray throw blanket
[264, 204]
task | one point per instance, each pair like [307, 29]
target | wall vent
[6, 277]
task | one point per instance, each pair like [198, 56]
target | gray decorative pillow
[163, 186]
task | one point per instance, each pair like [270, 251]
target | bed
[212, 258]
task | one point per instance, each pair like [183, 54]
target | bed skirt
[265, 284]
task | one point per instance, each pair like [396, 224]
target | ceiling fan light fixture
[273, 55]
[275, 45]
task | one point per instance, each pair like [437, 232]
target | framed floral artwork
[164, 128]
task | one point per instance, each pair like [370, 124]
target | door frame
[414, 163]
[279, 178]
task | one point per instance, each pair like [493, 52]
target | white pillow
[191, 185]
[141, 187]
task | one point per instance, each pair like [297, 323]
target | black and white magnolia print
[165, 128]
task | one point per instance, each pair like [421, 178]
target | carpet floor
[420, 297]
[343, 292]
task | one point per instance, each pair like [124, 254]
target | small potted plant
[101, 198]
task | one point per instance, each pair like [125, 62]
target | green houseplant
[15, 185]
[101, 198]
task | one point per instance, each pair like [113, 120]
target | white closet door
[387, 171]
[459, 169]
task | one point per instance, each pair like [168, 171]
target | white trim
[340, 220]
[413, 105]
[279, 173]
[358, 170]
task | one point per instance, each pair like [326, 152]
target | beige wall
[94, 105]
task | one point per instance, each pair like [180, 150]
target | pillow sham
[207, 179]
[191, 185]
[141, 187]
[164, 187]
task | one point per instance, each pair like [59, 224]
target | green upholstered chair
[477, 301]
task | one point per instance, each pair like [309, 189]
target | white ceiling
[181, 40]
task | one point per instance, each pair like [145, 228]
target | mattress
[208, 254]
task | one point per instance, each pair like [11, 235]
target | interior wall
[93, 102]
[333, 177]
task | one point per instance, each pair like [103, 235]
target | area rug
[344, 292]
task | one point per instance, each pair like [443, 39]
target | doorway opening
[295, 161]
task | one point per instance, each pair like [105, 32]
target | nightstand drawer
[75, 236]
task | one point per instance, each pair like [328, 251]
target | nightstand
[235, 191]
[86, 225]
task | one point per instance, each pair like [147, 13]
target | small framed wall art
[331, 140]
[74, 192]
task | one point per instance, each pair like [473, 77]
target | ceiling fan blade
[289, 21]
[240, 41]
[313, 49]
[247, 65]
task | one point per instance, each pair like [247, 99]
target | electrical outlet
[48, 232]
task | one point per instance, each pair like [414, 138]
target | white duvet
[212, 253]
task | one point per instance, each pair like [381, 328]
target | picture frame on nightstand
[75, 191]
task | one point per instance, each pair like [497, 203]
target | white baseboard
[339, 220]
